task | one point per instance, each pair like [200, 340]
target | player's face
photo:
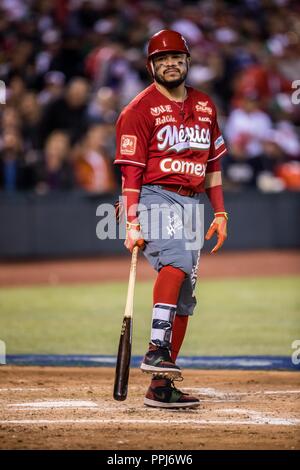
[170, 70]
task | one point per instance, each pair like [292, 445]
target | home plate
[56, 404]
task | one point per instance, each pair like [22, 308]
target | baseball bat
[125, 342]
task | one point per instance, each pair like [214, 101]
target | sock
[179, 329]
[178, 333]
[165, 295]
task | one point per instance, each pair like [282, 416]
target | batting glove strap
[222, 214]
[130, 225]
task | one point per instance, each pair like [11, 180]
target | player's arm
[214, 188]
[133, 134]
[214, 191]
[132, 177]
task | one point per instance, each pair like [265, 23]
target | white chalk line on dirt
[19, 389]
[216, 396]
[251, 416]
[77, 404]
[56, 404]
[212, 392]
[257, 415]
[200, 422]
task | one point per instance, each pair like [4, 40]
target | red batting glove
[218, 225]
[134, 236]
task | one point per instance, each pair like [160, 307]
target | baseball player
[169, 147]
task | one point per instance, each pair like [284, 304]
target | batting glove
[218, 226]
[134, 236]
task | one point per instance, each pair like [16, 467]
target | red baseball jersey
[172, 141]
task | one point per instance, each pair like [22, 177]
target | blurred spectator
[289, 173]
[93, 168]
[55, 171]
[246, 131]
[10, 119]
[104, 106]
[69, 58]
[263, 80]
[54, 87]
[51, 46]
[16, 91]
[110, 66]
[15, 173]
[30, 113]
[67, 113]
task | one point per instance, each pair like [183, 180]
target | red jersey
[172, 141]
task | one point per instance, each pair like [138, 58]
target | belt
[179, 190]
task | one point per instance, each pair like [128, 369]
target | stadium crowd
[70, 66]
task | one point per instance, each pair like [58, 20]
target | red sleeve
[132, 177]
[133, 136]
[217, 148]
[215, 193]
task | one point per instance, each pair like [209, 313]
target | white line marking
[199, 422]
[18, 389]
[56, 404]
[211, 392]
[104, 409]
[258, 417]
[279, 392]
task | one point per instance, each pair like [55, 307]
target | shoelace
[177, 379]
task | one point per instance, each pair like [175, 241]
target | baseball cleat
[163, 375]
[163, 394]
[158, 361]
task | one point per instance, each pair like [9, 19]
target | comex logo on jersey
[168, 165]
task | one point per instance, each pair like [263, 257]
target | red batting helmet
[166, 41]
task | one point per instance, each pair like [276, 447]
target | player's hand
[134, 237]
[218, 226]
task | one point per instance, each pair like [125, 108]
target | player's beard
[170, 84]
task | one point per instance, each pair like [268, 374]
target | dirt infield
[222, 265]
[72, 408]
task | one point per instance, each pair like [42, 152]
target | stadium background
[69, 68]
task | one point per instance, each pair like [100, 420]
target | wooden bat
[124, 351]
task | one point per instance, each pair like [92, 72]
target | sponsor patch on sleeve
[218, 142]
[128, 144]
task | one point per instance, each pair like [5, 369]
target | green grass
[233, 317]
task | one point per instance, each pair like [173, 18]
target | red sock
[167, 286]
[178, 333]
